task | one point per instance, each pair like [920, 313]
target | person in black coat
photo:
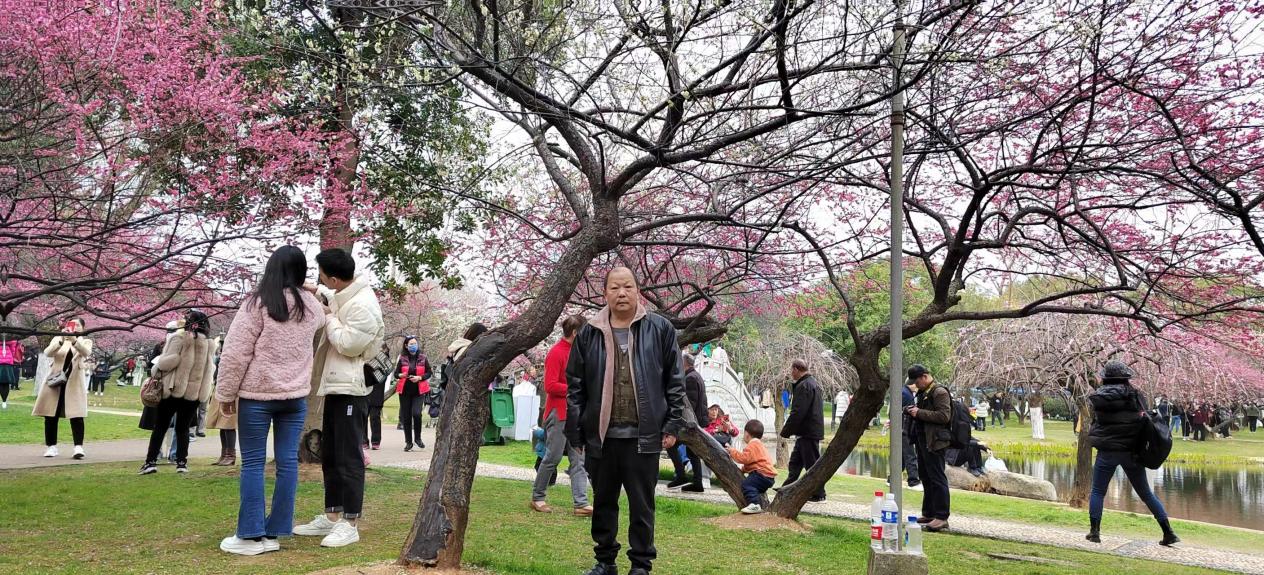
[806, 423]
[376, 373]
[696, 394]
[1118, 420]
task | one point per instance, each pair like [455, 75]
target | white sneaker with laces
[917, 487]
[319, 527]
[51, 451]
[240, 546]
[270, 545]
[341, 535]
[752, 509]
[79, 454]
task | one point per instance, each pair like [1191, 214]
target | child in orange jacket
[755, 462]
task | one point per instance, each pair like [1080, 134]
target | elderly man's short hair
[799, 364]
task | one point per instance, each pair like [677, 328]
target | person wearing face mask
[413, 388]
[64, 393]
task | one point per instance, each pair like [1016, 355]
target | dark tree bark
[1083, 482]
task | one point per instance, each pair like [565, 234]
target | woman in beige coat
[70, 399]
[226, 424]
[187, 368]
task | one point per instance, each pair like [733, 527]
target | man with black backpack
[931, 417]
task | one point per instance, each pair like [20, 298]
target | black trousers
[50, 430]
[1253, 422]
[621, 466]
[679, 464]
[185, 413]
[375, 424]
[341, 461]
[410, 415]
[804, 455]
[909, 454]
[935, 500]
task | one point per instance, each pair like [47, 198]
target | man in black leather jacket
[623, 408]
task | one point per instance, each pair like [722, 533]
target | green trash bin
[501, 417]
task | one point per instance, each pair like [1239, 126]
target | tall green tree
[406, 150]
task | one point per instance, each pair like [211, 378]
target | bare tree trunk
[865, 404]
[437, 538]
[1083, 481]
[783, 446]
[335, 232]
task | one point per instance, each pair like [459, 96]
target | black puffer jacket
[696, 391]
[807, 411]
[1117, 411]
[656, 370]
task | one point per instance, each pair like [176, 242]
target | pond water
[1220, 494]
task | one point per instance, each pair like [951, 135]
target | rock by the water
[1002, 483]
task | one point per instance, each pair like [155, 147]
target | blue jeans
[755, 486]
[1104, 471]
[253, 419]
[1176, 424]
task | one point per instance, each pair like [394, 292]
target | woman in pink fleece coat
[265, 374]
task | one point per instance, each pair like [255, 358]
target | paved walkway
[393, 455]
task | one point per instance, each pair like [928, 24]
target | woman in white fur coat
[187, 368]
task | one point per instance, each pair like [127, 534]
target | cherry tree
[135, 151]
[1028, 150]
[1062, 354]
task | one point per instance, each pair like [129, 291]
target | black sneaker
[148, 468]
[421, 444]
[676, 484]
[408, 447]
[693, 489]
[816, 500]
[602, 569]
[638, 571]
[182, 467]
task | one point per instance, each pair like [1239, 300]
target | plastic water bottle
[875, 521]
[913, 536]
[890, 523]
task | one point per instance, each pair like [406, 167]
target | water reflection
[1221, 494]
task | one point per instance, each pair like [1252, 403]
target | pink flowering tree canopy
[136, 152]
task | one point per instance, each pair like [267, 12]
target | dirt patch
[760, 522]
[393, 569]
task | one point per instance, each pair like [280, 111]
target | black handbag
[1155, 441]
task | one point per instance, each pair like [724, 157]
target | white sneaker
[4, 405]
[752, 509]
[319, 527]
[240, 546]
[51, 451]
[79, 454]
[341, 535]
[917, 487]
[270, 545]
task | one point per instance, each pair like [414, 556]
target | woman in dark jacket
[1118, 409]
[413, 387]
[376, 373]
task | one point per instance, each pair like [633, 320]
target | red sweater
[555, 387]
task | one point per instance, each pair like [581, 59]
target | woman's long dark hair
[286, 271]
[197, 322]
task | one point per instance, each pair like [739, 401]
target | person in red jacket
[413, 387]
[554, 424]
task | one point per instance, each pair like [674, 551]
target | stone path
[393, 455]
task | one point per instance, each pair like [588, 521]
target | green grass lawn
[17, 425]
[859, 489]
[167, 523]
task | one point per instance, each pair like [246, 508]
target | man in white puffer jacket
[353, 332]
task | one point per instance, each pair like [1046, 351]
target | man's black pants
[679, 464]
[935, 500]
[909, 453]
[341, 461]
[620, 466]
[804, 455]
